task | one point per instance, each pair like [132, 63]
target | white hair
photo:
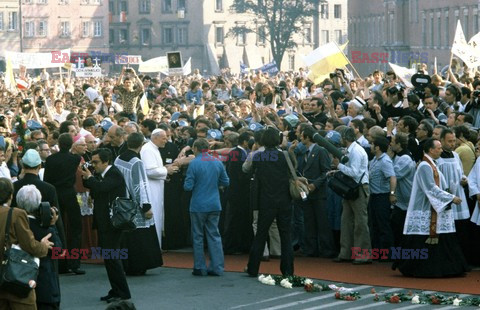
[158, 132]
[29, 198]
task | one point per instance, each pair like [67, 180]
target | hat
[292, 120]
[182, 123]
[33, 124]
[255, 126]
[333, 137]
[358, 102]
[106, 124]
[175, 116]
[214, 134]
[78, 139]
[31, 158]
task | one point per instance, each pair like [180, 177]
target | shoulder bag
[18, 270]
[123, 212]
[298, 188]
[345, 186]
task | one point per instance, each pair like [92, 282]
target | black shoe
[249, 273]
[78, 271]
[211, 273]
[198, 272]
[341, 260]
[115, 299]
[107, 297]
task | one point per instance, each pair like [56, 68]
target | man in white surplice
[157, 174]
[451, 167]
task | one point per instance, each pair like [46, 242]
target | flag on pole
[187, 68]
[464, 51]
[144, 104]
[10, 83]
[475, 41]
[404, 74]
[324, 60]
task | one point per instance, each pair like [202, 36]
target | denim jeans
[206, 223]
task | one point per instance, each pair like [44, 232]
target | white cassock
[426, 194]
[474, 189]
[156, 173]
[452, 170]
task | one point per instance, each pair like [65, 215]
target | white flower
[270, 282]
[307, 282]
[456, 302]
[261, 277]
[416, 299]
[285, 283]
[269, 278]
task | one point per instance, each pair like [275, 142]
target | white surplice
[426, 194]
[474, 189]
[452, 170]
[156, 174]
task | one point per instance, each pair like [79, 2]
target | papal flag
[463, 50]
[144, 104]
[10, 83]
[323, 61]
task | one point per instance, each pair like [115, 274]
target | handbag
[123, 212]
[298, 188]
[345, 186]
[18, 270]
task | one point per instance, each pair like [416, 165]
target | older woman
[48, 286]
[20, 234]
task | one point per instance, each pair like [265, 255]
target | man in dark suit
[60, 171]
[316, 163]
[107, 187]
[32, 163]
[238, 233]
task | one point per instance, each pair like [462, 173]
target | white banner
[404, 74]
[128, 59]
[38, 60]
[158, 64]
[465, 52]
[88, 72]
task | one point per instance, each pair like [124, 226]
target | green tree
[282, 19]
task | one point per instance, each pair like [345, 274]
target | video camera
[420, 82]
[45, 214]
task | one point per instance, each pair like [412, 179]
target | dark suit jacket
[103, 193]
[318, 164]
[49, 194]
[60, 171]
[239, 187]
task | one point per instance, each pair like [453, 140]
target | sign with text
[128, 59]
[88, 72]
[36, 60]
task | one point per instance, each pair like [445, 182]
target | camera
[279, 89]
[40, 101]
[219, 107]
[86, 166]
[129, 70]
[2, 118]
[44, 214]
[420, 81]
[174, 124]
[26, 101]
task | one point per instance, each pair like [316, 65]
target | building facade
[9, 28]
[406, 31]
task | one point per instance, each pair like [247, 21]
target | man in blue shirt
[204, 176]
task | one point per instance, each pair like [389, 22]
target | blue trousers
[206, 224]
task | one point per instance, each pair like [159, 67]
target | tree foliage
[282, 19]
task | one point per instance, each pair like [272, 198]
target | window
[97, 28]
[447, 30]
[1, 21]
[432, 26]
[65, 29]
[167, 35]
[144, 6]
[218, 5]
[85, 29]
[465, 24]
[167, 6]
[84, 2]
[338, 36]
[181, 4]
[262, 35]
[63, 2]
[391, 26]
[145, 36]
[291, 62]
[324, 11]
[307, 35]
[242, 38]
[111, 7]
[219, 35]
[111, 36]
[28, 31]
[42, 28]
[123, 6]
[12, 21]
[337, 11]
[98, 2]
[42, 1]
[424, 30]
[123, 36]
[27, 1]
[182, 35]
[439, 30]
[475, 23]
[325, 39]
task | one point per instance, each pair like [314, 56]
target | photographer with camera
[128, 93]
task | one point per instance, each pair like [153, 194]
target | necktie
[306, 156]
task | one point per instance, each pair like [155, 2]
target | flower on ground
[261, 277]
[416, 299]
[395, 299]
[285, 283]
[308, 282]
[456, 302]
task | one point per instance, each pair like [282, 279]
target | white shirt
[60, 117]
[4, 171]
[91, 93]
[106, 170]
[357, 164]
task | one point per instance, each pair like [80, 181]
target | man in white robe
[157, 174]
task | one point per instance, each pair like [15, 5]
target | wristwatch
[392, 193]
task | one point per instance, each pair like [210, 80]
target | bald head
[116, 135]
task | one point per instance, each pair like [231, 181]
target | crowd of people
[207, 158]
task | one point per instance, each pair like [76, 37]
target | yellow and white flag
[463, 50]
[10, 83]
[324, 60]
[144, 105]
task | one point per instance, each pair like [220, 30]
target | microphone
[330, 148]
